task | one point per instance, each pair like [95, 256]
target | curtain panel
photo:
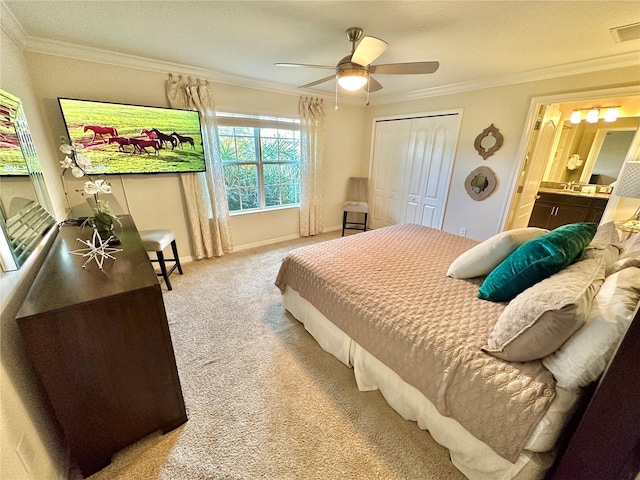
[204, 192]
[312, 131]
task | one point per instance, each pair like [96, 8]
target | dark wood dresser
[99, 343]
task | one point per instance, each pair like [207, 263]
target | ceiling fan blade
[304, 65]
[374, 85]
[368, 50]
[405, 68]
[318, 82]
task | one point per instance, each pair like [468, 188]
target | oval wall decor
[488, 142]
[480, 183]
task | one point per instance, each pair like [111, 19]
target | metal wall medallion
[480, 183]
[488, 142]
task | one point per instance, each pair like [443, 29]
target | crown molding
[10, 24]
[97, 55]
[631, 59]
[63, 49]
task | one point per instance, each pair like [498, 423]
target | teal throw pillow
[536, 260]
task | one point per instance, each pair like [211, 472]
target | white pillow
[583, 358]
[484, 257]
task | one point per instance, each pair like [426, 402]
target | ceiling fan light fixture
[353, 79]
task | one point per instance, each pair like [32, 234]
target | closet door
[411, 168]
[428, 168]
[387, 176]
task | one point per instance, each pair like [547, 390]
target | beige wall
[507, 108]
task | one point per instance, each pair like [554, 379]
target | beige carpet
[264, 400]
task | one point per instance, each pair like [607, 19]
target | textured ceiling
[474, 41]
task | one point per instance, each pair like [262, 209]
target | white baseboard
[271, 241]
[265, 242]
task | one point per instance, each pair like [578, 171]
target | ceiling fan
[354, 71]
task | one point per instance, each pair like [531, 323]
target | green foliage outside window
[261, 166]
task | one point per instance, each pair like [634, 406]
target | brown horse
[149, 133]
[164, 138]
[140, 145]
[181, 140]
[101, 131]
[122, 141]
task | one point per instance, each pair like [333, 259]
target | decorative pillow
[536, 260]
[583, 358]
[486, 256]
[540, 319]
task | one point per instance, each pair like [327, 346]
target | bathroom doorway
[553, 149]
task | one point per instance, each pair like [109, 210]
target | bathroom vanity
[555, 207]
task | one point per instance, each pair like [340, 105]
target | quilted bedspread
[388, 291]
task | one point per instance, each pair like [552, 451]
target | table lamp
[628, 185]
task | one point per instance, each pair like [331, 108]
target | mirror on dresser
[24, 201]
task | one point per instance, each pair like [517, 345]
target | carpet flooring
[264, 400]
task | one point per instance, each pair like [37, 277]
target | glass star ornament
[97, 249]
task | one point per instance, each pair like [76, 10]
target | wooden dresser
[99, 343]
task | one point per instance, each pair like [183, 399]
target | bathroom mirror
[591, 153]
[608, 151]
[24, 201]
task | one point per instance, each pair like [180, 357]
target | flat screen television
[120, 138]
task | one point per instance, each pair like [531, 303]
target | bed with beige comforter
[387, 290]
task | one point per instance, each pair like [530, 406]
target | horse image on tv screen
[121, 138]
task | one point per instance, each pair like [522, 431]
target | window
[261, 161]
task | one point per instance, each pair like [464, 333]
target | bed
[382, 303]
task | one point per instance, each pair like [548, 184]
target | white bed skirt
[472, 457]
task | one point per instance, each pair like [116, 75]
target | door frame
[534, 106]
[410, 116]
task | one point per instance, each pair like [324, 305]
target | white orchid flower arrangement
[78, 163]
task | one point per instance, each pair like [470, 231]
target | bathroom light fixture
[575, 117]
[353, 78]
[611, 115]
[592, 115]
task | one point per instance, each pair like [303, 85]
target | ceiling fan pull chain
[368, 85]
[336, 106]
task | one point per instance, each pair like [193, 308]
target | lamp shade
[628, 184]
